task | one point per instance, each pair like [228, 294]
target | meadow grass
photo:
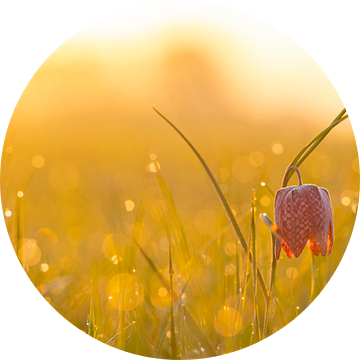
[202, 298]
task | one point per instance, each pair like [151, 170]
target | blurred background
[81, 157]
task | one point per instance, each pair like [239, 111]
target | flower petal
[287, 250]
[283, 215]
[312, 246]
[301, 220]
[329, 219]
[278, 240]
[317, 217]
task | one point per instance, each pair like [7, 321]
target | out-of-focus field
[96, 186]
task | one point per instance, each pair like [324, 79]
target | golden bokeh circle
[125, 292]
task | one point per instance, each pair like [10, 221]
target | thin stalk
[92, 325]
[223, 202]
[315, 286]
[254, 267]
[172, 323]
[271, 288]
[19, 230]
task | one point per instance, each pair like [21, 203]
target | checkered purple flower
[303, 215]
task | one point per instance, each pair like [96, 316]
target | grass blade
[254, 267]
[223, 202]
[173, 352]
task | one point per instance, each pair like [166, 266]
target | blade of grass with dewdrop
[222, 200]
[310, 147]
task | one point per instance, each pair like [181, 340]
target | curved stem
[292, 168]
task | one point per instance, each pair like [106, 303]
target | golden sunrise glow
[143, 230]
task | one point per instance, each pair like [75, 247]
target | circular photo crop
[181, 185]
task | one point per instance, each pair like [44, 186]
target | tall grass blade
[92, 312]
[254, 266]
[173, 351]
[269, 301]
[315, 284]
[19, 230]
[222, 200]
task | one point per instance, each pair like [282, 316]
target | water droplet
[20, 194]
[262, 183]
[8, 213]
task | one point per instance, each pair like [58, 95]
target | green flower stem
[310, 147]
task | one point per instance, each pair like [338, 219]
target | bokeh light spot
[126, 291]
[38, 161]
[162, 292]
[277, 148]
[265, 201]
[291, 273]
[29, 253]
[230, 269]
[111, 247]
[7, 213]
[256, 158]
[228, 321]
[44, 267]
[20, 194]
[346, 196]
[129, 205]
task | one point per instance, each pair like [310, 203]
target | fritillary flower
[303, 215]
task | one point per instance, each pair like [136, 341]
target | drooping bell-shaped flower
[303, 215]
